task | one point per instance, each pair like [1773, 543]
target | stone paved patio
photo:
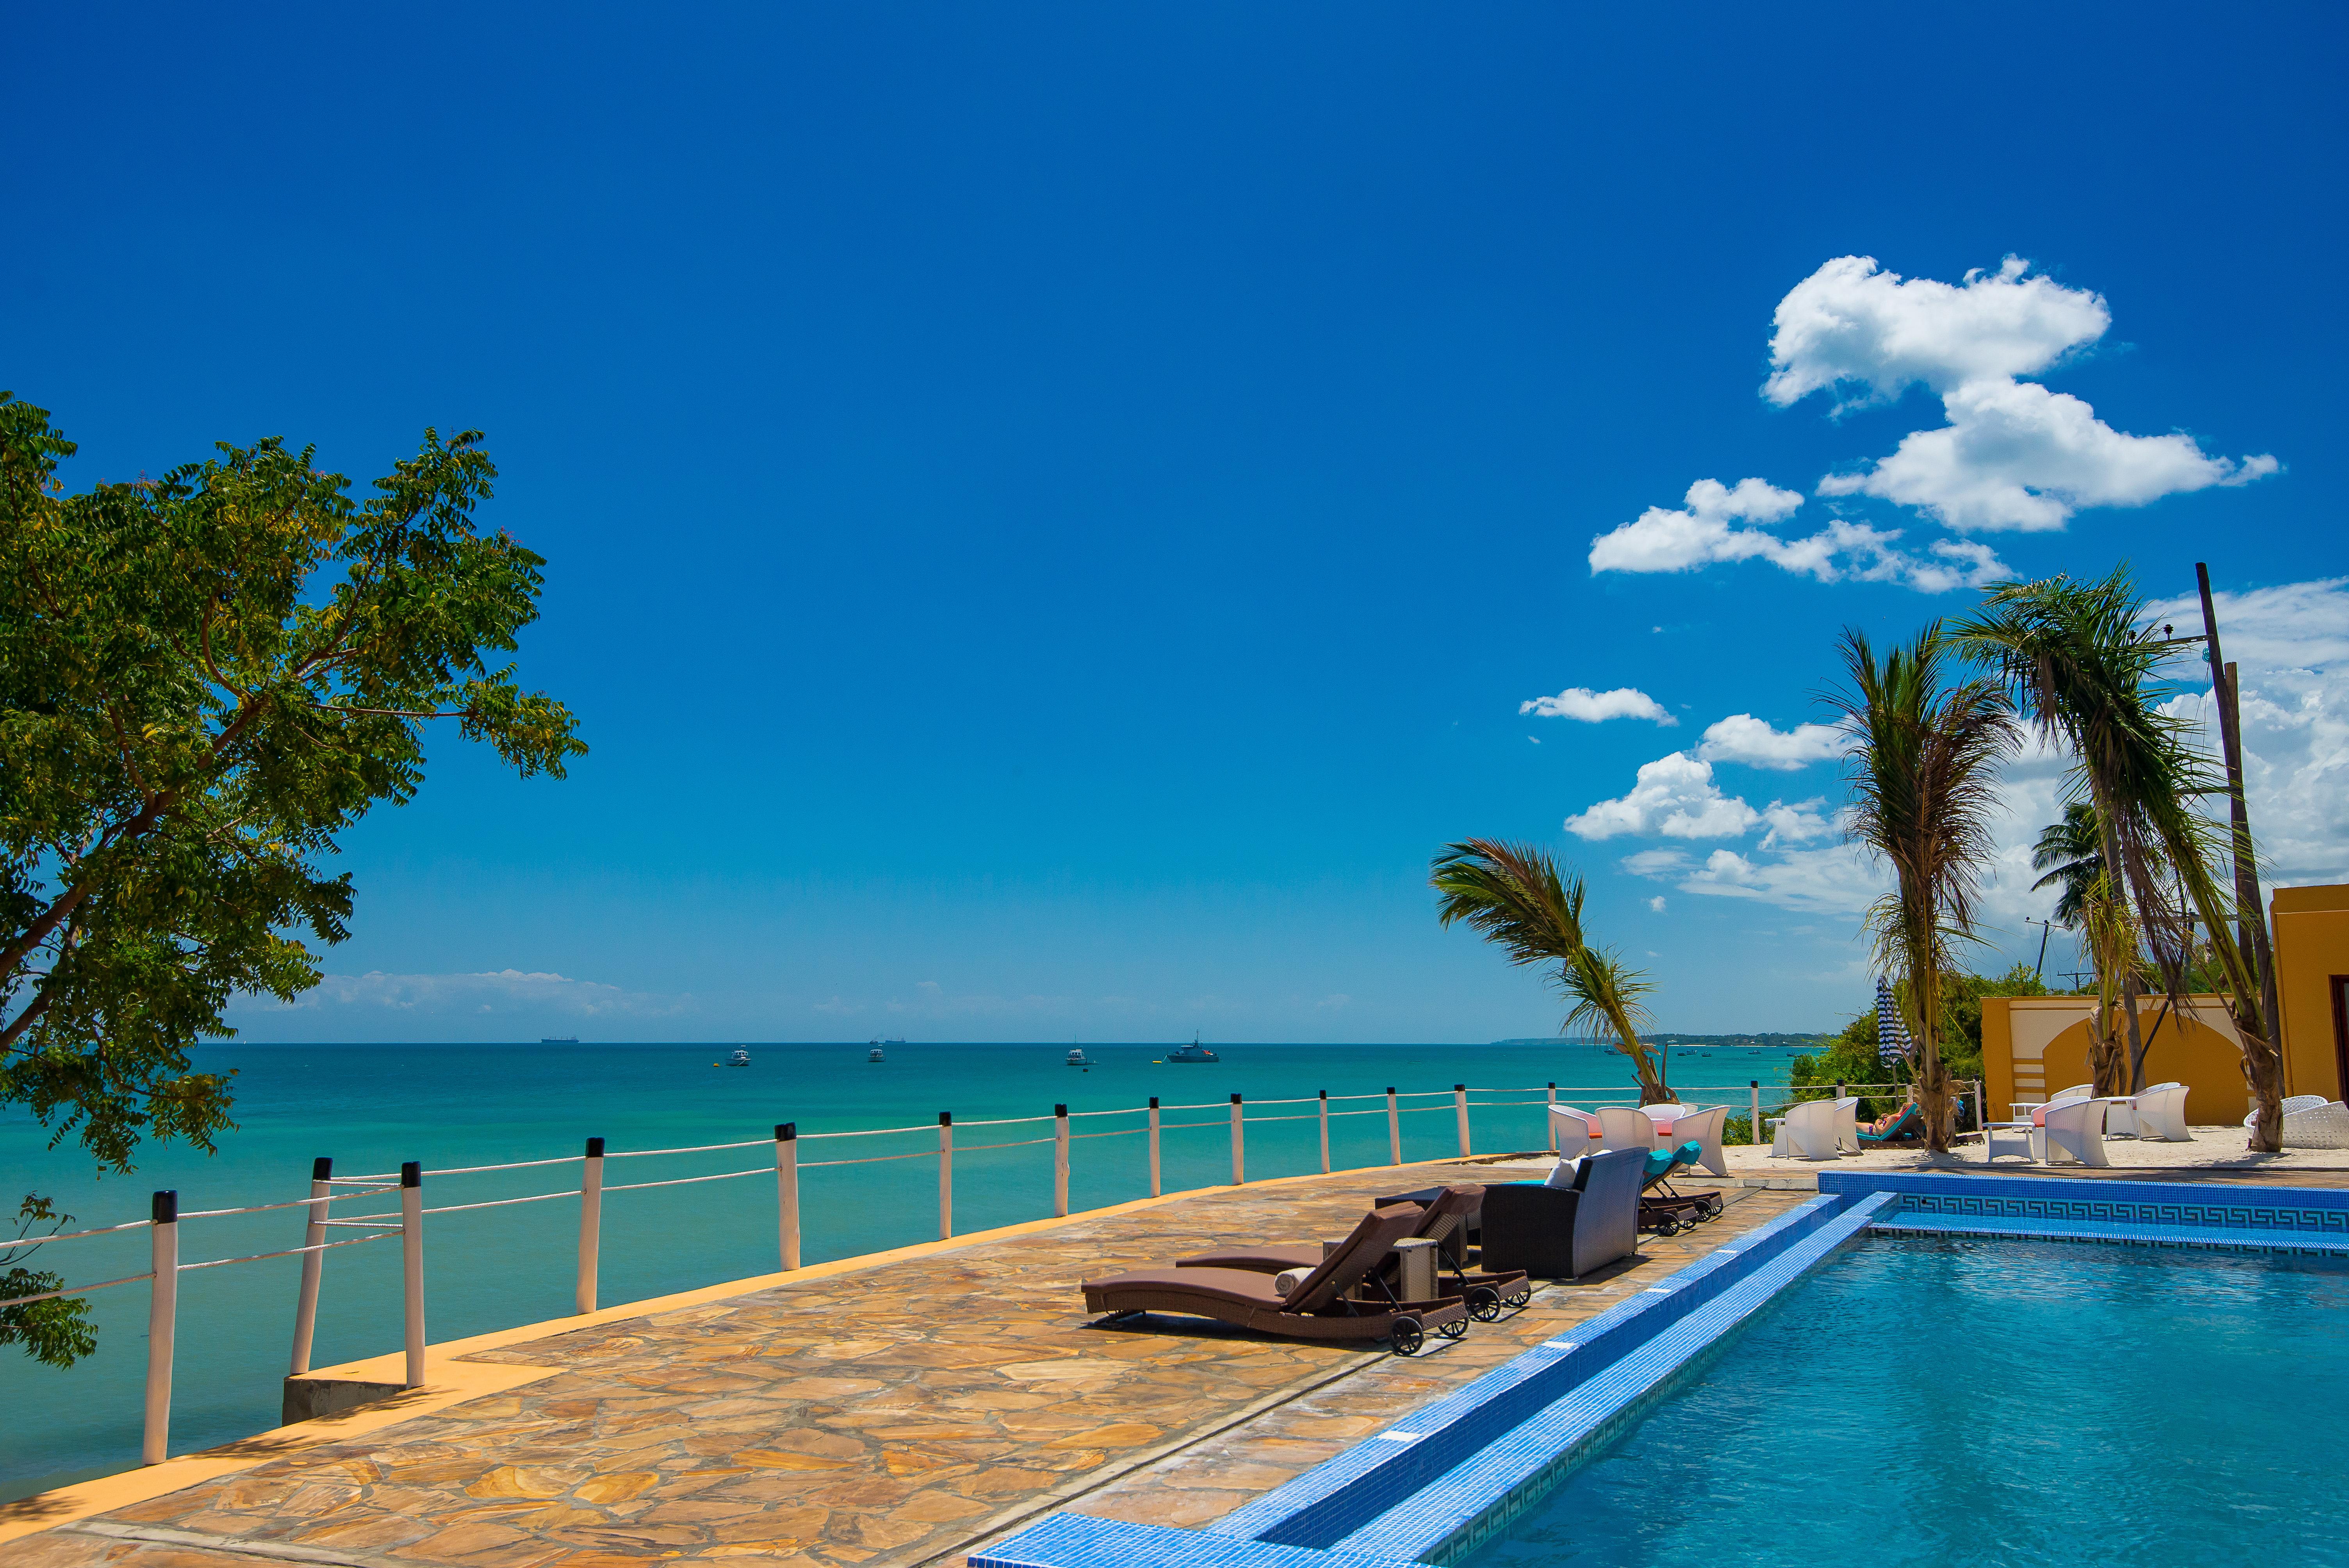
[896, 1415]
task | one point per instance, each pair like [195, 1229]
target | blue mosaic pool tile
[2302, 1210]
[1327, 1503]
[1455, 1513]
[2058, 1228]
[1078, 1541]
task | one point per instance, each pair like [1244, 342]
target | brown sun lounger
[1317, 1307]
[1444, 1220]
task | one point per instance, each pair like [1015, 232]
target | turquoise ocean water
[371, 1107]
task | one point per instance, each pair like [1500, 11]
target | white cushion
[1562, 1174]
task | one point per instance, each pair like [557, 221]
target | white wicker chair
[1622, 1129]
[1704, 1126]
[2070, 1130]
[2161, 1113]
[1578, 1132]
[1807, 1131]
[2325, 1125]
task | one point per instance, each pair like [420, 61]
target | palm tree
[1513, 894]
[1923, 769]
[2083, 666]
[2072, 853]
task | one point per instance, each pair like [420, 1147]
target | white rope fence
[406, 1224]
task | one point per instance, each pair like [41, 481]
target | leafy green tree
[203, 679]
[2072, 853]
[1923, 767]
[1513, 894]
[2083, 667]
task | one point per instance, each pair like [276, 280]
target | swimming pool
[1926, 1368]
[1958, 1401]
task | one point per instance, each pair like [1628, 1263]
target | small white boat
[874, 1054]
[1079, 1059]
[741, 1058]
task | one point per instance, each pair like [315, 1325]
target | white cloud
[502, 993]
[1665, 541]
[2016, 456]
[1701, 534]
[1674, 798]
[1851, 324]
[1597, 707]
[1741, 737]
[2291, 646]
[1657, 904]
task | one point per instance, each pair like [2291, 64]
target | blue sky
[1055, 511]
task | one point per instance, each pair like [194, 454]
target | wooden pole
[1753, 1126]
[313, 1234]
[1460, 1109]
[162, 1320]
[787, 1194]
[1551, 1117]
[1325, 1132]
[1154, 1145]
[1394, 1127]
[591, 1222]
[1239, 1147]
[946, 1175]
[412, 1265]
[1061, 1162]
[2251, 927]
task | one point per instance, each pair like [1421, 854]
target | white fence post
[1753, 1127]
[1551, 1118]
[313, 1234]
[591, 1222]
[1325, 1132]
[1061, 1162]
[412, 1264]
[1459, 1108]
[1239, 1147]
[1154, 1145]
[946, 1175]
[1394, 1127]
[162, 1318]
[787, 1194]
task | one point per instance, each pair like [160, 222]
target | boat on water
[1193, 1052]
[741, 1058]
[558, 1040]
[876, 1054]
[1079, 1059]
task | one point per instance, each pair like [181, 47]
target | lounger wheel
[1406, 1336]
[1484, 1303]
[1667, 1226]
[1519, 1296]
[1454, 1329]
[1714, 1206]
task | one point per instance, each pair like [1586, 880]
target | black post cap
[1325, 1094]
[1153, 1102]
[785, 1131]
[1459, 1089]
[945, 1118]
[166, 1209]
[411, 1173]
[1752, 1083]
[595, 1149]
[321, 1169]
[1390, 1089]
[1061, 1111]
[1236, 1099]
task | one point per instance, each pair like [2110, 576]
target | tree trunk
[2263, 1071]
[2104, 1054]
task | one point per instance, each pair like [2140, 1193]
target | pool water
[1955, 1402]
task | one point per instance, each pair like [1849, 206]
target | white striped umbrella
[1891, 1033]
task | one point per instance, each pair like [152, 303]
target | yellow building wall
[2034, 1045]
[2310, 927]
